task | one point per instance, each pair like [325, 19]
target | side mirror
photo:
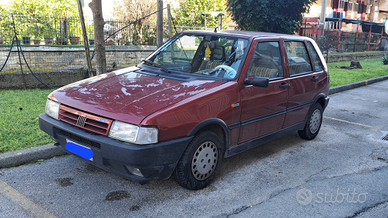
[258, 81]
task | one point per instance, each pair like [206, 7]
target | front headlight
[52, 108]
[133, 134]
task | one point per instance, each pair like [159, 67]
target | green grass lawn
[19, 126]
[20, 108]
[371, 68]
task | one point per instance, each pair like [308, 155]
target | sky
[107, 9]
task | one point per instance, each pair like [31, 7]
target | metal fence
[51, 43]
[338, 41]
[340, 36]
[66, 31]
[55, 43]
[53, 52]
[33, 30]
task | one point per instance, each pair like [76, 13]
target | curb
[28, 155]
[356, 84]
[16, 158]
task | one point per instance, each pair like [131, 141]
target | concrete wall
[53, 79]
[341, 57]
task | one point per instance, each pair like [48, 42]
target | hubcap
[315, 121]
[204, 160]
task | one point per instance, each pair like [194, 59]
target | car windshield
[210, 55]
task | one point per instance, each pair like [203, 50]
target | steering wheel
[230, 72]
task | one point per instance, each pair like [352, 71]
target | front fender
[216, 125]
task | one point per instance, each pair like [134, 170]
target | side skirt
[264, 139]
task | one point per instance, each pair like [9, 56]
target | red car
[201, 97]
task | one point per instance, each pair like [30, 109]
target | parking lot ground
[341, 173]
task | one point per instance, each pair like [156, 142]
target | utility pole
[159, 24]
[85, 36]
[322, 18]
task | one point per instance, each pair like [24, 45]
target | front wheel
[200, 162]
[313, 124]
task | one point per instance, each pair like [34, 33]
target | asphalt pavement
[342, 173]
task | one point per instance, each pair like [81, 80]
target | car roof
[247, 34]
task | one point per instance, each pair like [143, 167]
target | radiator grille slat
[84, 120]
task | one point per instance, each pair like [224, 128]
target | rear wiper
[155, 65]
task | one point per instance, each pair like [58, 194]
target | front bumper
[155, 162]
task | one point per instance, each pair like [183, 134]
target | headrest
[218, 53]
[212, 45]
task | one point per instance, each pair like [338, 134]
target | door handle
[285, 85]
[315, 78]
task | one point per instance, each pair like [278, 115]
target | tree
[190, 12]
[47, 8]
[131, 10]
[279, 16]
[39, 13]
[99, 43]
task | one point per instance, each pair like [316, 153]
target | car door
[304, 79]
[263, 108]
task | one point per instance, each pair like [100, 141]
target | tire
[200, 162]
[313, 124]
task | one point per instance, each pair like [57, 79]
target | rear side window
[298, 58]
[317, 61]
[266, 61]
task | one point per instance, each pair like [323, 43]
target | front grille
[84, 120]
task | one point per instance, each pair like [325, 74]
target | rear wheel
[313, 124]
[200, 162]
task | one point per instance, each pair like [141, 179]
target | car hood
[126, 95]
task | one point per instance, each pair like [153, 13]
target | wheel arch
[216, 125]
[320, 99]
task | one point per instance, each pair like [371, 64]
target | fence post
[169, 20]
[159, 24]
[339, 34]
[355, 40]
[370, 36]
[339, 39]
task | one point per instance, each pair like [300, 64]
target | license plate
[80, 150]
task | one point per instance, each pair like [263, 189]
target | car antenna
[215, 29]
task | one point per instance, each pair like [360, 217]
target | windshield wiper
[155, 65]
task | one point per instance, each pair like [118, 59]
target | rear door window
[266, 61]
[298, 58]
[316, 59]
